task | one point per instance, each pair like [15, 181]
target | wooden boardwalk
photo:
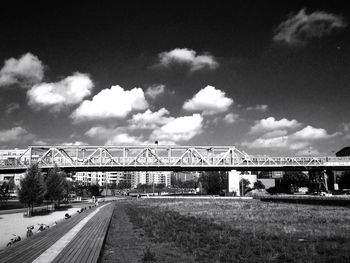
[85, 246]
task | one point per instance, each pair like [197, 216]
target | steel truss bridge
[161, 158]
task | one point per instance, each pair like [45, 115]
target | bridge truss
[162, 158]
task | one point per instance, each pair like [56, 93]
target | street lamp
[156, 143]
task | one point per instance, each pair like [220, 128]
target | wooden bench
[29, 249]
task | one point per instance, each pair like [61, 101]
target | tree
[258, 185]
[344, 181]
[68, 188]
[294, 180]
[95, 190]
[4, 192]
[214, 182]
[113, 187]
[124, 184]
[32, 188]
[244, 186]
[55, 185]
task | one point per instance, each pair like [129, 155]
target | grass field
[244, 231]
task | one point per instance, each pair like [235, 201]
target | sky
[268, 77]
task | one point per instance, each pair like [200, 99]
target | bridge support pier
[233, 181]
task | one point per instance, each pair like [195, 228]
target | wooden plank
[29, 249]
[87, 244]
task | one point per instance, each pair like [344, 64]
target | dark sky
[284, 96]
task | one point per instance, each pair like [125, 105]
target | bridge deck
[85, 246]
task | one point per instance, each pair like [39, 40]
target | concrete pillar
[233, 181]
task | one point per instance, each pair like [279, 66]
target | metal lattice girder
[162, 156]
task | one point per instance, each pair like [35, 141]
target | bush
[148, 255]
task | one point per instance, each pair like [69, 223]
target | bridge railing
[185, 161]
[160, 156]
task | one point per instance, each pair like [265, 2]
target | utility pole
[106, 184]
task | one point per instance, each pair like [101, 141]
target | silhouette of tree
[344, 180]
[32, 188]
[4, 192]
[244, 183]
[258, 185]
[214, 182]
[55, 185]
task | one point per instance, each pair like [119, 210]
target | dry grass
[246, 231]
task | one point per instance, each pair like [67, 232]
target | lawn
[244, 231]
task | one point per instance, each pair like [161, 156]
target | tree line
[35, 187]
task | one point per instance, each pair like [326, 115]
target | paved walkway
[78, 239]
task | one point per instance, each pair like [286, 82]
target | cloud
[280, 137]
[311, 133]
[103, 132]
[124, 138]
[11, 108]
[208, 100]
[113, 136]
[345, 126]
[260, 107]
[271, 123]
[155, 90]
[188, 57]
[179, 129]
[111, 103]
[275, 133]
[308, 152]
[299, 28]
[25, 71]
[69, 91]
[40, 142]
[75, 143]
[149, 119]
[277, 142]
[15, 134]
[231, 118]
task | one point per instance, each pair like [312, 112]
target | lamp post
[156, 143]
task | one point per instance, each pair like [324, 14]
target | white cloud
[281, 138]
[69, 91]
[311, 133]
[179, 129]
[231, 118]
[40, 142]
[15, 134]
[25, 71]
[274, 134]
[113, 136]
[188, 57]
[102, 132]
[271, 123]
[259, 107]
[208, 100]
[308, 152]
[75, 143]
[124, 138]
[345, 126]
[277, 142]
[299, 28]
[155, 90]
[149, 119]
[111, 103]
